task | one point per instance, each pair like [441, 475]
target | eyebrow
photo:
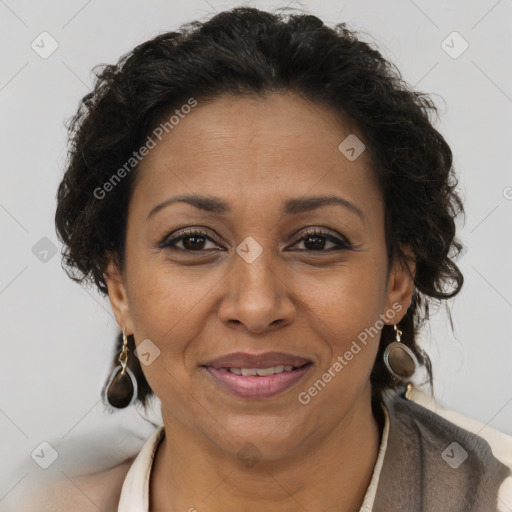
[291, 206]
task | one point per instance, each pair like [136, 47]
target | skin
[254, 154]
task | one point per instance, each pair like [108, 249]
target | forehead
[242, 147]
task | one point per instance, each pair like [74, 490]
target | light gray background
[57, 337]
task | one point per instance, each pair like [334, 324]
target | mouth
[257, 376]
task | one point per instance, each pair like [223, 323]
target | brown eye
[192, 241]
[317, 240]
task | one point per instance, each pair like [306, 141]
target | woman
[271, 212]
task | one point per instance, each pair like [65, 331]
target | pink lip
[263, 360]
[257, 387]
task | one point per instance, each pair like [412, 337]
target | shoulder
[485, 441]
[84, 493]
[499, 442]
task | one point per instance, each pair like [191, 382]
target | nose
[258, 296]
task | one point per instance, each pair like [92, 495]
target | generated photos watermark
[305, 397]
[137, 156]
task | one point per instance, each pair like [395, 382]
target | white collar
[135, 490]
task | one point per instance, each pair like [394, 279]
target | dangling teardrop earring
[400, 359]
[121, 389]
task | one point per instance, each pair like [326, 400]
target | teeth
[262, 372]
[265, 371]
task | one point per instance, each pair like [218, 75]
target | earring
[400, 359]
[121, 389]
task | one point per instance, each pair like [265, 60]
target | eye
[315, 240]
[192, 240]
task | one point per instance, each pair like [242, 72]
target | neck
[191, 473]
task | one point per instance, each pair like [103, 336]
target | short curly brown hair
[246, 51]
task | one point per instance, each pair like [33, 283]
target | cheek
[170, 306]
[345, 309]
[165, 298]
[166, 308]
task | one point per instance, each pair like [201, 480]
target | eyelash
[171, 243]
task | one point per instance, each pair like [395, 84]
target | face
[263, 276]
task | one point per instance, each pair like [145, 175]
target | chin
[260, 438]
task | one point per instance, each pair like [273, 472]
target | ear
[401, 286]
[118, 297]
